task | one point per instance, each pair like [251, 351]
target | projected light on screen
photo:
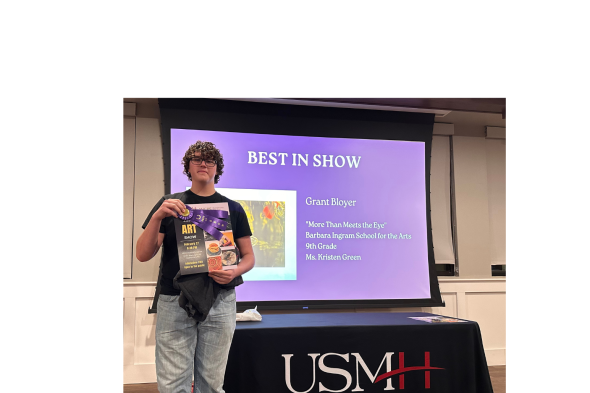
[332, 218]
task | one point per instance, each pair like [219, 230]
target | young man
[183, 344]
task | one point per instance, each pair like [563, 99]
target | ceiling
[469, 115]
[480, 105]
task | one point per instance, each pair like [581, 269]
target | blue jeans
[184, 346]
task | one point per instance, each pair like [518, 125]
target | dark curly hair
[208, 152]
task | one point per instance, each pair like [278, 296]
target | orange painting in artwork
[267, 212]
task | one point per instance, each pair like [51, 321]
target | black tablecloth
[346, 352]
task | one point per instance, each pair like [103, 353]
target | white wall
[147, 173]
[128, 189]
[471, 199]
[496, 166]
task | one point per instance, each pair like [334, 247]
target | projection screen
[337, 199]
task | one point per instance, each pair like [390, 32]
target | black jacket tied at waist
[198, 293]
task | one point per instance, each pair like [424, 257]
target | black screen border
[297, 120]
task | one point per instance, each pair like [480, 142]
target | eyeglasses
[199, 160]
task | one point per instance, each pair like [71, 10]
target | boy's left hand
[223, 276]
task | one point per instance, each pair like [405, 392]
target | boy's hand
[223, 276]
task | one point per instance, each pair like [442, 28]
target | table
[354, 352]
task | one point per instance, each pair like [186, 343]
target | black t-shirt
[239, 223]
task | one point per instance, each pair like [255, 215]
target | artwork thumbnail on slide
[272, 220]
[267, 223]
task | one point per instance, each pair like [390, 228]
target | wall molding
[129, 109]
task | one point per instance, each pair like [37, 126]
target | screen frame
[297, 120]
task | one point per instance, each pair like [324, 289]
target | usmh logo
[374, 378]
